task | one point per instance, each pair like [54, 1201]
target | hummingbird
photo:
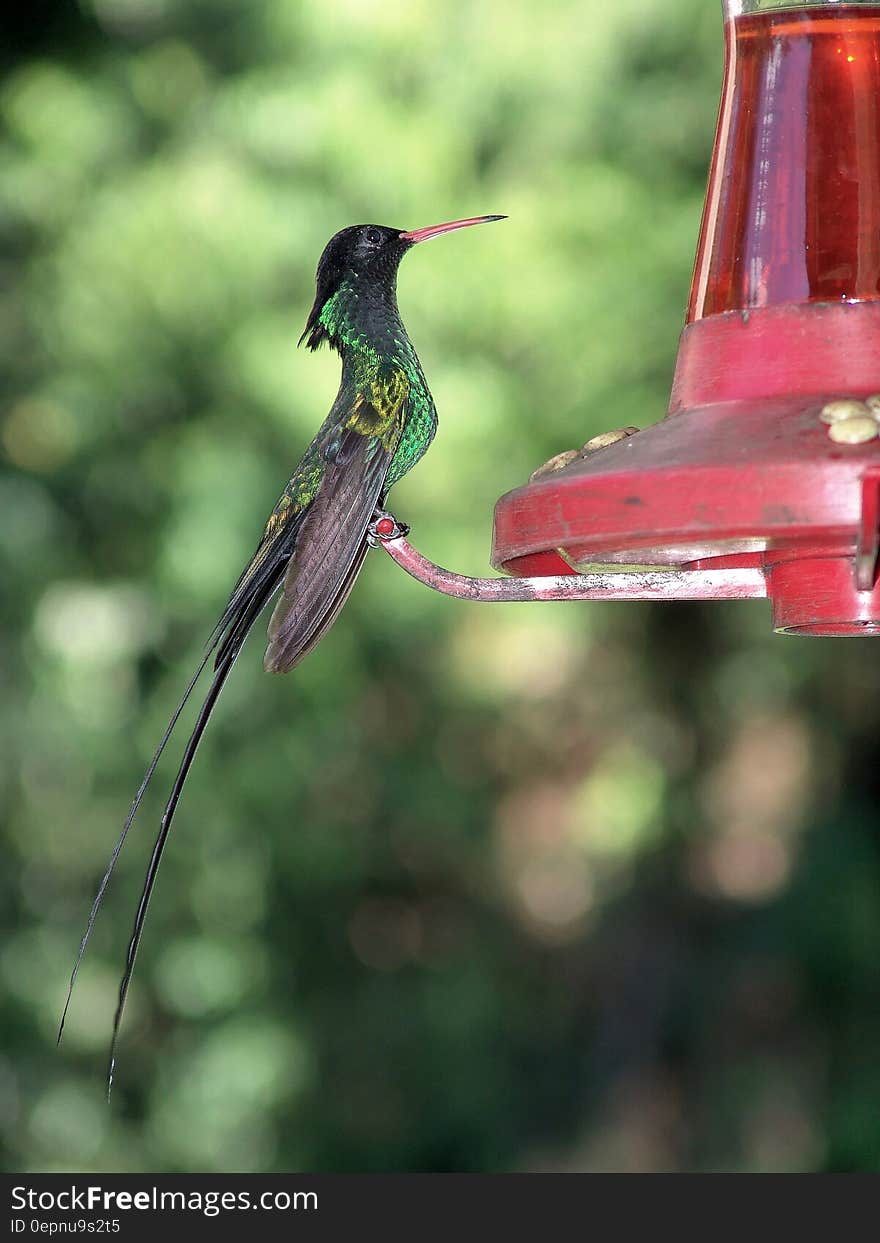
[313, 546]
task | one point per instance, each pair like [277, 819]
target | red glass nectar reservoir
[793, 206]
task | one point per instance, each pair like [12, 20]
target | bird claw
[384, 527]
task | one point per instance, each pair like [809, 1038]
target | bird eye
[374, 237]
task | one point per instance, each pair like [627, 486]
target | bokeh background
[538, 887]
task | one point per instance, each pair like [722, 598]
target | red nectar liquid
[793, 206]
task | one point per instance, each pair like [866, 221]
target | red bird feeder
[764, 477]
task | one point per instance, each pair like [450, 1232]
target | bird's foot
[383, 527]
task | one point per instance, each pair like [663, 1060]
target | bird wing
[332, 541]
[274, 549]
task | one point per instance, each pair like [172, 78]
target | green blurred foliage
[528, 887]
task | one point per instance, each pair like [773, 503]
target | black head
[367, 255]
[361, 254]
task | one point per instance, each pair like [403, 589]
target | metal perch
[722, 584]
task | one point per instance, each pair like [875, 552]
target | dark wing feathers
[330, 549]
[260, 580]
[331, 544]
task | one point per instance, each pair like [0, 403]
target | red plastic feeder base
[742, 472]
[817, 596]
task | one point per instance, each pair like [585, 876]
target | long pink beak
[434, 230]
